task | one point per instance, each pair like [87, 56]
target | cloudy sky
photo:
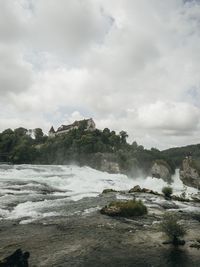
[129, 64]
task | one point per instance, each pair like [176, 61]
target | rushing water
[30, 192]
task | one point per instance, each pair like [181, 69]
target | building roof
[70, 126]
[64, 127]
[52, 130]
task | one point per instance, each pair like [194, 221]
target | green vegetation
[79, 146]
[167, 191]
[177, 154]
[172, 228]
[18, 146]
[128, 208]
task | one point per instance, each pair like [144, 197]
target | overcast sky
[131, 65]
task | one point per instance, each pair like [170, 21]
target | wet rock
[111, 211]
[138, 189]
[168, 205]
[195, 245]
[190, 173]
[108, 190]
[110, 166]
[181, 199]
[161, 169]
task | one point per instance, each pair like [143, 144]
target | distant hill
[177, 154]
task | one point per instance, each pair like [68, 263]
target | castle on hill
[88, 124]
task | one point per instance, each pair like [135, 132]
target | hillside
[177, 154]
[104, 150]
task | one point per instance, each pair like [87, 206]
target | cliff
[161, 169]
[190, 173]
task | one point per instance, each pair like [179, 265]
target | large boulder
[161, 169]
[190, 173]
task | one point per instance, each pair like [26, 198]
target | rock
[195, 245]
[111, 211]
[136, 188]
[161, 169]
[109, 190]
[181, 199]
[110, 166]
[168, 205]
[190, 173]
[17, 259]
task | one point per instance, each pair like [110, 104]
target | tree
[38, 133]
[134, 145]
[123, 135]
[106, 131]
[20, 131]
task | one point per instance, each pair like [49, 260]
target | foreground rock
[17, 259]
[190, 173]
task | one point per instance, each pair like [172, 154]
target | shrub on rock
[173, 229]
[167, 191]
[128, 208]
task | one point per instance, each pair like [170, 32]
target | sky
[131, 65]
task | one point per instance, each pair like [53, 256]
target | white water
[30, 192]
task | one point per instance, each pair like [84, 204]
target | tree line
[81, 147]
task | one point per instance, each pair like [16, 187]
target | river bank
[87, 238]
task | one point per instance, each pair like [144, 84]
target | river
[29, 192]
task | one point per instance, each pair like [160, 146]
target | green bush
[172, 228]
[129, 208]
[167, 191]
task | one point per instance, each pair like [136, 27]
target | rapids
[29, 192]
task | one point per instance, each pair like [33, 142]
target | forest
[22, 146]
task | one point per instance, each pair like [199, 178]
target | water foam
[29, 192]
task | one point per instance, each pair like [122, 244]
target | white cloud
[167, 116]
[132, 65]
[15, 72]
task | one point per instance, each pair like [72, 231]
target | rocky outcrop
[109, 190]
[110, 166]
[138, 189]
[190, 173]
[105, 162]
[161, 169]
